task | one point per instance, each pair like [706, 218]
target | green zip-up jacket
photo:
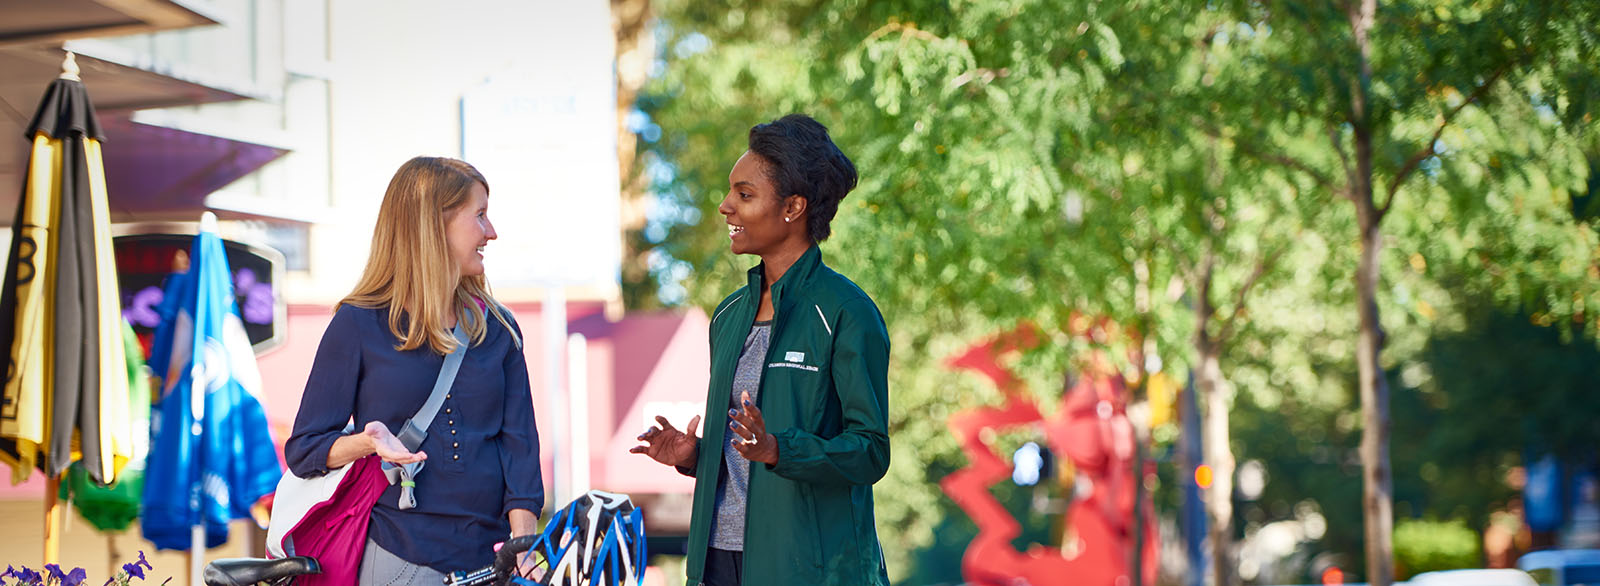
[825, 397]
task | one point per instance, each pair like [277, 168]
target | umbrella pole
[197, 554]
[52, 520]
[112, 555]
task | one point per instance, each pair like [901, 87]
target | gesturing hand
[754, 443]
[389, 447]
[667, 445]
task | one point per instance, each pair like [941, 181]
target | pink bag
[334, 531]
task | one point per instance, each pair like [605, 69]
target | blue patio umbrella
[211, 457]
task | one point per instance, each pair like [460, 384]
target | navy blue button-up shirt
[483, 448]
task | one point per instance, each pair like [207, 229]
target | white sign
[546, 141]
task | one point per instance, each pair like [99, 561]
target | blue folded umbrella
[211, 456]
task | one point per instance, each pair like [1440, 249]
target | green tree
[633, 25]
[1013, 173]
[1384, 87]
[1169, 165]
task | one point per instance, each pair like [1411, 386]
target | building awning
[152, 172]
[155, 173]
[56, 21]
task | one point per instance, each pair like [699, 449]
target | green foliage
[1024, 160]
[1308, 444]
[1481, 398]
[1429, 546]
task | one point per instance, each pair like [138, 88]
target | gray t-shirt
[733, 488]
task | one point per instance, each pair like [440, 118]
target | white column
[578, 401]
[554, 316]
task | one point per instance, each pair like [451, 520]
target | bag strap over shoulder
[416, 429]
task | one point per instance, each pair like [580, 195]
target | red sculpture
[1092, 431]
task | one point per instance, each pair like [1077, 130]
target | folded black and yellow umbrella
[65, 397]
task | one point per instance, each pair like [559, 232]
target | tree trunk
[1192, 510]
[632, 22]
[1218, 453]
[1377, 501]
[1141, 426]
[1136, 557]
[1219, 457]
[1377, 498]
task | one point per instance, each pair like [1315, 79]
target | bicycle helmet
[596, 540]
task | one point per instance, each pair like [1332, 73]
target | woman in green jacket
[797, 414]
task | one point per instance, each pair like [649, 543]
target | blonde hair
[410, 269]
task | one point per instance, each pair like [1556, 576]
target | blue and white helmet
[596, 540]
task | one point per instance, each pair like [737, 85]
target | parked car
[1473, 578]
[1563, 567]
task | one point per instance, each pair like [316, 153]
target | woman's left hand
[524, 522]
[754, 443]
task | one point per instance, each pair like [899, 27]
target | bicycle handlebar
[499, 573]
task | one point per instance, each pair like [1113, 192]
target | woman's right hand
[667, 445]
[388, 447]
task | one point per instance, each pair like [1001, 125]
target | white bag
[294, 499]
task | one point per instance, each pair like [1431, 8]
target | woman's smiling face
[753, 209]
[467, 230]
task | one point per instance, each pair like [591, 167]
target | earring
[787, 219]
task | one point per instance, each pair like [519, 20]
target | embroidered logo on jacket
[792, 365]
[793, 360]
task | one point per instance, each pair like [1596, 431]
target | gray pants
[381, 568]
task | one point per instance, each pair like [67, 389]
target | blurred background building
[287, 117]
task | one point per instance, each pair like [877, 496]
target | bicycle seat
[244, 571]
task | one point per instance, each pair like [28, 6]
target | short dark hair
[802, 160]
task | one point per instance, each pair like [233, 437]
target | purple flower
[27, 576]
[11, 572]
[144, 563]
[75, 577]
[134, 570]
[55, 572]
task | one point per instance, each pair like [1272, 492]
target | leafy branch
[1429, 149]
[1251, 150]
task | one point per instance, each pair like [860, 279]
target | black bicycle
[282, 572]
[596, 540]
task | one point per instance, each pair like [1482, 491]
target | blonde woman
[378, 362]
